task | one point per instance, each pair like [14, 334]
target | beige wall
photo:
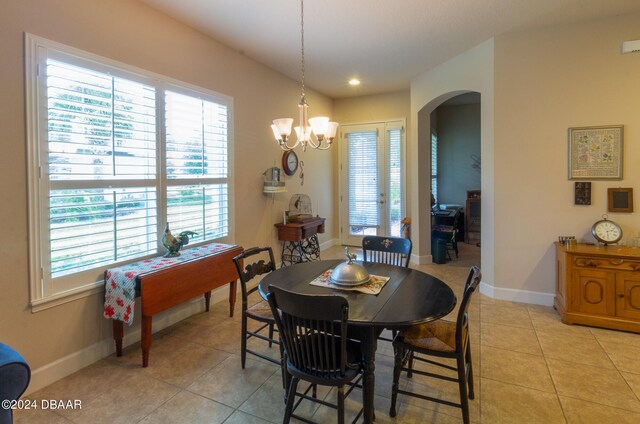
[130, 32]
[545, 82]
[471, 71]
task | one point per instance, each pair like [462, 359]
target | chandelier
[315, 132]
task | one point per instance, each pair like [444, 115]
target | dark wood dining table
[409, 297]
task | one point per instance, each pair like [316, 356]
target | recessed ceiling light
[354, 81]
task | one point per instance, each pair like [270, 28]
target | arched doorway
[452, 123]
[455, 183]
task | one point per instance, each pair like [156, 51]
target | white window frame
[42, 293]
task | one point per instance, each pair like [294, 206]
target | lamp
[315, 132]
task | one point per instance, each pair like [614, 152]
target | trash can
[439, 251]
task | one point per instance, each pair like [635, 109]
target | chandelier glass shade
[318, 132]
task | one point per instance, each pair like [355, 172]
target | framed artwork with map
[595, 153]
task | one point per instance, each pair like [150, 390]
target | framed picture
[595, 153]
[620, 199]
[582, 193]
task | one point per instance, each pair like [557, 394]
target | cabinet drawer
[595, 262]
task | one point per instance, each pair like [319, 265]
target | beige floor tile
[594, 384]
[511, 315]
[623, 337]
[129, 401]
[581, 412]
[633, 380]
[549, 322]
[229, 384]
[410, 414]
[75, 385]
[38, 416]
[506, 337]
[507, 403]
[189, 408]
[268, 401]
[186, 363]
[439, 389]
[224, 336]
[162, 344]
[624, 356]
[239, 417]
[517, 368]
[574, 349]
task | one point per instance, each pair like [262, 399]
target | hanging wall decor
[582, 193]
[595, 153]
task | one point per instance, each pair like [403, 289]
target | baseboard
[420, 260]
[327, 244]
[515, 295]
[73, 362]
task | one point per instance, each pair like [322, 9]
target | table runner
[373, 286]
[120, 282]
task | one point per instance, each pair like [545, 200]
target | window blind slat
[363, 178]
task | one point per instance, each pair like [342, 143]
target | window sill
[58, 299]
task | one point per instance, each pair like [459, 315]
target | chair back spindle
[311, 329]
[387, 250]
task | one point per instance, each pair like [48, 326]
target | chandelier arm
[285, 146]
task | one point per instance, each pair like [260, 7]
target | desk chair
[448, 233]
[312, 330]
[261, 311]
[387, 250]
[443, 339]
[15, 375]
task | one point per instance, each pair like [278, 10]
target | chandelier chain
[302, 42]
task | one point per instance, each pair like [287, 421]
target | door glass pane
[362, 151]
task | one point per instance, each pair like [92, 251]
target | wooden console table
[165, 287]
[598, 285]
[300, 240]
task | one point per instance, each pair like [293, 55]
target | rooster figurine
[173, 243]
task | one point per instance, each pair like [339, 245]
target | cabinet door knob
[621, 295]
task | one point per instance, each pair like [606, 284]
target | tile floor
[529, 368]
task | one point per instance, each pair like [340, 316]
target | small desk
[409, 297]
[300, 240]
[166, 287]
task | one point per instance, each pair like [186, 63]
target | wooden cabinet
[472, 217]
[598, 285]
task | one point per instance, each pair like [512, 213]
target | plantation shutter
[362, 151]
[196, 163]
[101, 168]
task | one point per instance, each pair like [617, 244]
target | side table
[300, 240]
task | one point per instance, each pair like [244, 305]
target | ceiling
[385, 43]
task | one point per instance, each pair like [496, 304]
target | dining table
[409, 297]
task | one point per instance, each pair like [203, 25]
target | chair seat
[444, 228]
[439, 336]
[261, 310]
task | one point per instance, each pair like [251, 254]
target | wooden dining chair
[251, 263]
[387, 250]
[312, 329]
[443, 339]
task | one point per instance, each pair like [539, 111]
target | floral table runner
[120, 282]
[373, 286]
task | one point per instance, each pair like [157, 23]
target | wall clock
[290, 162]
[606, 231]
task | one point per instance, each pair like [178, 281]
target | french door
[372, 180]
